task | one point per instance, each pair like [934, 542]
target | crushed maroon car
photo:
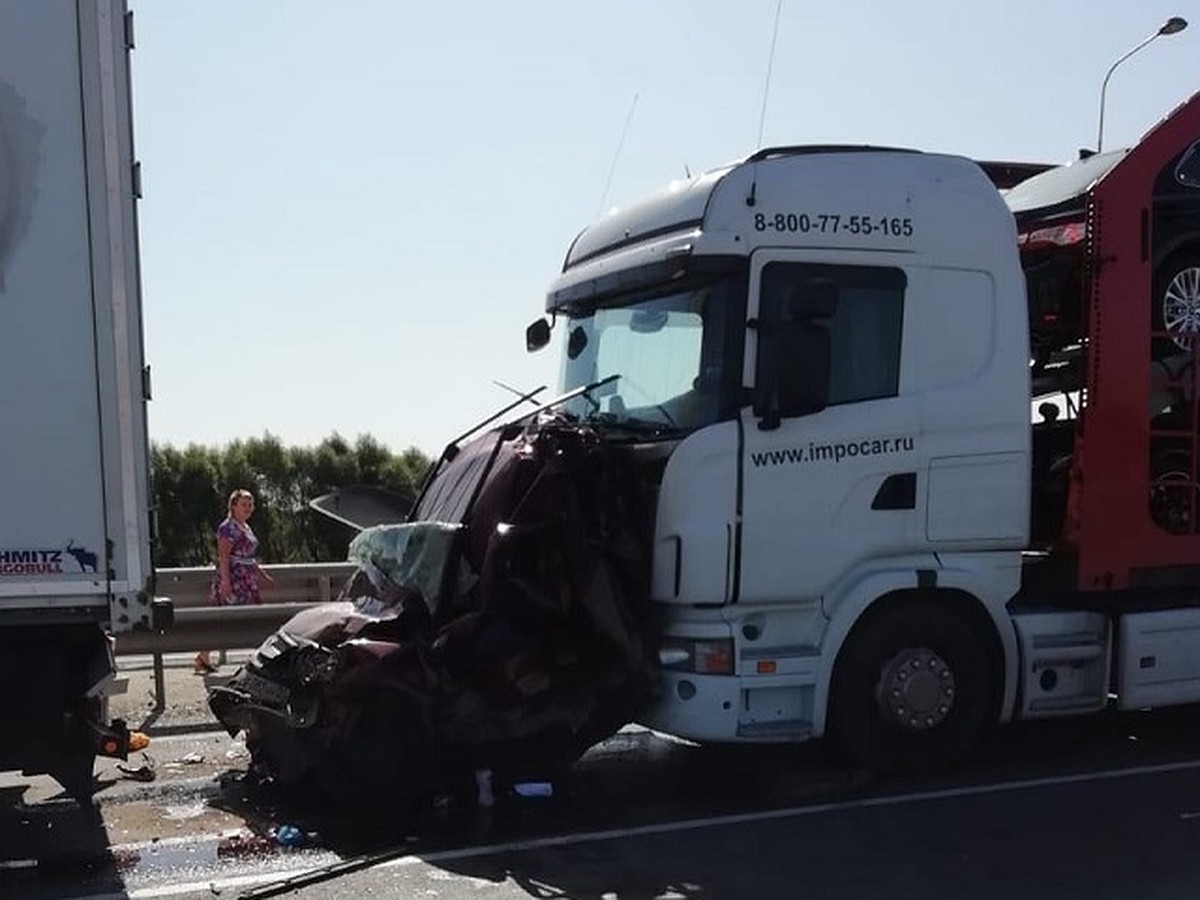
[504, 626]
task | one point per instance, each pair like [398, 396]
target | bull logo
[85, 559]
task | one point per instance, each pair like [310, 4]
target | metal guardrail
[211, 628]
[198, 626]
[298, 583]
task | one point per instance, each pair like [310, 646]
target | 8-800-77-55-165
[835, 223]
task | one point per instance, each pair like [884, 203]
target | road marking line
[668, 827]
[799, 811]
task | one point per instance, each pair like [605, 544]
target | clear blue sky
[353, 210]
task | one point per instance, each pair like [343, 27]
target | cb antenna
[762, 116]
[617, 155]
[522, 394]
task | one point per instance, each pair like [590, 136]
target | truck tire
[1176, 303]
[912, 688]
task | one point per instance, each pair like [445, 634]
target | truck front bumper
[734, 708]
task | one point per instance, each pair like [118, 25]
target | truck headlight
[703, 656]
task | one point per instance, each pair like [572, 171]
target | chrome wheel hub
[1181, 307]
[916, 689]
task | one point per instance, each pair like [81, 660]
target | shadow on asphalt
[52, 843]
[640, 779]
[635, 781]
[641, 782]
[711, 782]
[630, 781]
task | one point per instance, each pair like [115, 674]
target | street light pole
[1173, 25]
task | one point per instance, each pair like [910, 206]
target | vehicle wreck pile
[505, 626]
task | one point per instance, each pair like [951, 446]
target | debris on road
[533, 789]
[289, 836]
[145, 772]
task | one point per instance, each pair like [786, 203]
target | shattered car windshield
[676, 350]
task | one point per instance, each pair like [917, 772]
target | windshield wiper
[583, 390]
[613, 422]
[607, 420]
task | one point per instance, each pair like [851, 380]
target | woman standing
[238, 575]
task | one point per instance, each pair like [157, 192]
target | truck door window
[864, 328]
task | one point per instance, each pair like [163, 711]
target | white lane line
[668, 827]
[18, 864]
[213, 886]
[797, 812]
[182, 840]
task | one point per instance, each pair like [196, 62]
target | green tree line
[192, 486]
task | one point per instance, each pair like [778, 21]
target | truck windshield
[677, 350]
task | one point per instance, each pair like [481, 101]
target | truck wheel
[1176, 303]
[912, 689]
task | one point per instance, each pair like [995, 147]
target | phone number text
[835, 223]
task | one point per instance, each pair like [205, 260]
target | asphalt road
[1124, 837]
[1106, 806]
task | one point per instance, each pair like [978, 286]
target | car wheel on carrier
[912, 688]
[1173, 495]
[1176, 300]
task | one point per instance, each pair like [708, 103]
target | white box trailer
[75, 562]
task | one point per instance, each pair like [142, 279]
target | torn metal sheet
[506, 626]
[362, 506]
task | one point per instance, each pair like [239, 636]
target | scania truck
[919, 436]
[75, 563]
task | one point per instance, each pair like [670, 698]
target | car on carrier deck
[1051, 215]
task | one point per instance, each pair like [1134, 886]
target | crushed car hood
[505, 626]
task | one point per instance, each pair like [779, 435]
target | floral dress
[243, 566]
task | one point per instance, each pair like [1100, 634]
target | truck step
[1064, 662]
[783, 730]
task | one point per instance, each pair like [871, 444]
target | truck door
[825, 487]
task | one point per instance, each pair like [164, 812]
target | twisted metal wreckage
[505, 625]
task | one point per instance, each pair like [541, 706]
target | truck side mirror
[794, 376]
[802, 382]
[537, 335]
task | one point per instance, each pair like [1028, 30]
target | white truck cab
[811, 348]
